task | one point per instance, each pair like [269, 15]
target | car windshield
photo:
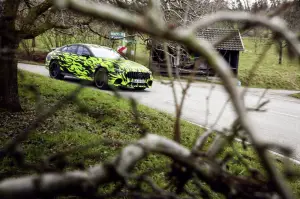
[105, 53]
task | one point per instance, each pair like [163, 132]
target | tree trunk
[33, 43]
[9, 97]
[56, 40]
[9, 41]
[280, 52]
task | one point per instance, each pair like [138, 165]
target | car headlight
[119, 70]
[48, 56]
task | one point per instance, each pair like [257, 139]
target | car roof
[90, 45]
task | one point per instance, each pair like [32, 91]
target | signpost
[131, 39]
[122, 50]
[118, 35]
[128, 43]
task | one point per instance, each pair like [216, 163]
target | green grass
[297, 95]
[30, 62]
[109, 118]
[270, 74]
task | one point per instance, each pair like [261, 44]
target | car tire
[140, 88]
[101, 79]
[54, 70]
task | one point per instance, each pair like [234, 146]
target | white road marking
[239, 140]
[280, 113]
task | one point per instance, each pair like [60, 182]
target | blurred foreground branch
[185, 36]
[204, 166]
[86, 182]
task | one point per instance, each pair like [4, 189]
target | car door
[71, 60]
[84, 55]
[63, 58]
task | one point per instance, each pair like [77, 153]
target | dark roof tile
[215, 34]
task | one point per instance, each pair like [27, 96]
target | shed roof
[214, 34]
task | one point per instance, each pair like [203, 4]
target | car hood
[129, 65]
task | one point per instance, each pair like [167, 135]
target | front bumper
[131, 79]
[147, 84]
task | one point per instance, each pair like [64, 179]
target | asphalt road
[280, 124]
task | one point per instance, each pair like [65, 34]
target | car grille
[137, 75]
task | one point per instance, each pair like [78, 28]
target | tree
[20, 20]
[197, 164]
[27, 19]
[291, 17]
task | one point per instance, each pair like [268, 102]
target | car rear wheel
[101, 78]
[54, 70]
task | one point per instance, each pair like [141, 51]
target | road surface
[280, 124]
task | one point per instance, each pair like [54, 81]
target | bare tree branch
[205, 166]
[36, 11]
[80, 182]
[13, 144]
[276, 24]
[186, 37]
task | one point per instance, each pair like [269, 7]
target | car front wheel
[101, 78]
[54, 70]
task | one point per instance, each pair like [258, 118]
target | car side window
[72, 49]
[64, 49]
[86, 51]
[83, 51]
[80, 50]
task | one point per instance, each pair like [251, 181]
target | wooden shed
[229, 48]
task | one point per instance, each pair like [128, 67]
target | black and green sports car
[103, 65]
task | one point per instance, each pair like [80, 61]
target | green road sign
[117, 35]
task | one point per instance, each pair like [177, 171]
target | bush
[37, 56]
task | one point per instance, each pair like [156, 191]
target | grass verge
[31, 62]
[108, 118]
[297, 95]
[269, 74]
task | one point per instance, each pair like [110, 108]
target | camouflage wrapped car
[100, 64]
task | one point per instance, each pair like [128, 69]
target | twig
[207, 103]
[186, 37]
[176, 128]
[255, 67]
[144, 129]
[12, 144]
[72, 182]
[202, 139]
